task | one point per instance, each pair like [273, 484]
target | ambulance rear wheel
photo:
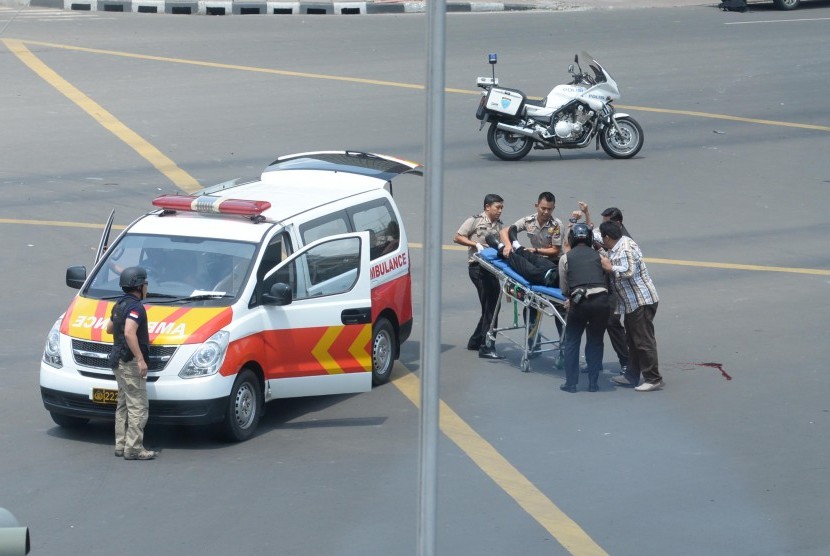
[384, 345]
[67, 421]
[245, 406]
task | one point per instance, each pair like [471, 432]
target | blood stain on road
[718, 366]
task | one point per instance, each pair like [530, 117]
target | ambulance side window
[327, 269]
[332, 268]
[325, 226]
[278, 249]
[377, 218]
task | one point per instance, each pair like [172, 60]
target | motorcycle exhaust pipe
[519, 131]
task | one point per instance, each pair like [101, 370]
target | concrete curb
[276, 7]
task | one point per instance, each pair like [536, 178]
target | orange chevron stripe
[320, 351]
[361, 348]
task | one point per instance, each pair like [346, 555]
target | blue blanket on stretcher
[492, 257]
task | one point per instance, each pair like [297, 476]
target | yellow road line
[731, 266]
[415, 245]
[676, 262]
[725, 117]
[227, 66]
[55, 223]
[403, 85]
[565, 530]
[150, 153]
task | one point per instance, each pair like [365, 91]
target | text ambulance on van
[294, 284]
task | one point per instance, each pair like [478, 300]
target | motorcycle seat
[535, 102]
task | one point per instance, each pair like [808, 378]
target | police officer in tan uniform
[545, 232]
[472, 234]
[547, 239]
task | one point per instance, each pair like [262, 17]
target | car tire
[384, 348]
[245, 407]
[786, 4]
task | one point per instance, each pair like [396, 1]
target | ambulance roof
[292, 184]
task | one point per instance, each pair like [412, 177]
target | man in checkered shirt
[637, 299]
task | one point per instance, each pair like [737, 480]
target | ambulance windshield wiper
[186, 299]
[203, 296]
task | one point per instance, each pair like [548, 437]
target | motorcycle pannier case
[505, 101]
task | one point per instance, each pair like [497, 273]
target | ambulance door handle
[361, 315]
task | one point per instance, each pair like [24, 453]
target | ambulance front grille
[96, 355]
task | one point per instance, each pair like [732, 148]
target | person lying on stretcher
[536, 269]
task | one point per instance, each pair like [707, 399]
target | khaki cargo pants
[132, 410]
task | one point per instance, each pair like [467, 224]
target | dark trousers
[487, 287]
[533, 267]
[616, 332]
[591, 317]
[642, 345]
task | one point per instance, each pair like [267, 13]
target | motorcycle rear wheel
[624, 145]
[506, 145]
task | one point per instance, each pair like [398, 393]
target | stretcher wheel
[560, 361]
[525, 365]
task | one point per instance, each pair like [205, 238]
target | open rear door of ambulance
[318, 320]
[379, 166]
[103, 245]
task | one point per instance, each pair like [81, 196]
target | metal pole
[431, 320]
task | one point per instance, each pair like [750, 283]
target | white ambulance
[294, 284]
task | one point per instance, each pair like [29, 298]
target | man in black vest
[582, 281]
[128, 360]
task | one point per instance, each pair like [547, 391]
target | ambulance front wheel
[383, 351]
[245, 406]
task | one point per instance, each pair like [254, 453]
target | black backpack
[733, 5]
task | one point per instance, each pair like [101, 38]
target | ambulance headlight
[52, 351]
[208, 358]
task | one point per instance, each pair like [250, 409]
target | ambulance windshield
[179, 269]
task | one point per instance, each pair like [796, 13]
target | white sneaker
[622, 380]
[649, 386]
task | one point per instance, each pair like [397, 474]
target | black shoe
[493, 241]
[552, 278]
[568, 388]
[473, 346]
[593, 387]
[485, 353]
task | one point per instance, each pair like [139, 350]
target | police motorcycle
[570, 117]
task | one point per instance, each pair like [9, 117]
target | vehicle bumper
[170, 412]
[404, 331]
[172, 400]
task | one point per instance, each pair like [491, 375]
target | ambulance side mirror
[75, 276]
[279, 294]
[14, 539]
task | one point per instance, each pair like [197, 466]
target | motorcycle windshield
[600, 76]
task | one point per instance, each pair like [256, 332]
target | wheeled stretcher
[536, 301]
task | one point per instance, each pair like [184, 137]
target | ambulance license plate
[104, 396]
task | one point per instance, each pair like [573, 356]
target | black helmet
[132, 277]
[581, 233]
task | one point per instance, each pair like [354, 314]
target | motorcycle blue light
[492, 58]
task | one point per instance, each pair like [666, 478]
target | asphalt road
[728, 199]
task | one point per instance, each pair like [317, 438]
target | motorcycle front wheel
[625, 144]
[506, 145]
